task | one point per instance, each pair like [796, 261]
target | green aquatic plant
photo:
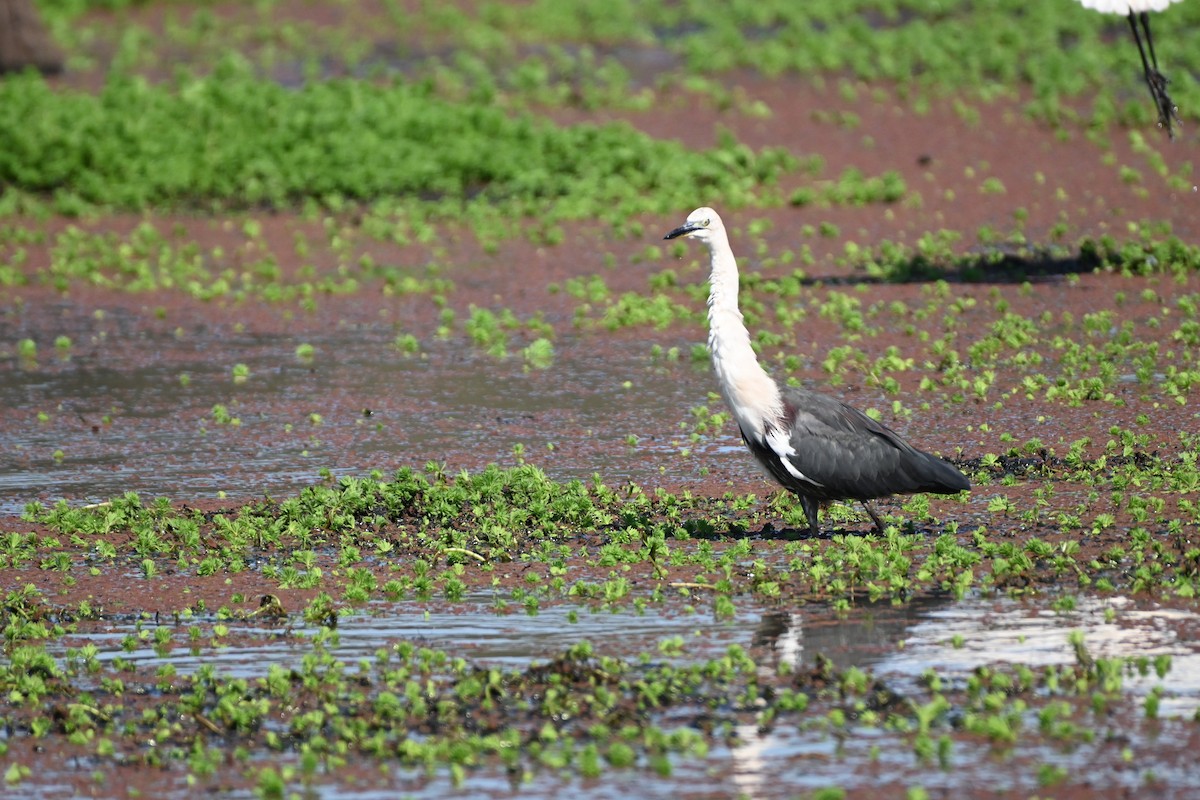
[182, 149]
[539, 354]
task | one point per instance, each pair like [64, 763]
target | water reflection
[953, 638]
[899, 644]
[960, 637]
[856, 638]
[895, 643]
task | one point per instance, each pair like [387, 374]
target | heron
[1138, 14]
[815, 446]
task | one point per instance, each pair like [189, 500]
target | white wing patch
[781, 446]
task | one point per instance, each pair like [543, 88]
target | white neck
[748, 390]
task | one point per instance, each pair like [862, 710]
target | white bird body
[1126, 6]
[817, 447]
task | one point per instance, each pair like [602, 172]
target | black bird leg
[875, 516]
[1154, 79]
[810, 510]
[810, 507]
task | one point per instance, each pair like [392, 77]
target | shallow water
[898, 643]
[471, 630]
[894, 643]
[952, 640]
[378, 410]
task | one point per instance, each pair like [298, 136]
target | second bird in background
[1138, 12]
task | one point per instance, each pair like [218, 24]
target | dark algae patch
[358, 437]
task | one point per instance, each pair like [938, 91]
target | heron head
[702, 225]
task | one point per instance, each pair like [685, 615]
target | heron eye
[706, 223]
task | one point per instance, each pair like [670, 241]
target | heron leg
[810, 510]
[1144, 18]
[875, 516]
[1154, 79]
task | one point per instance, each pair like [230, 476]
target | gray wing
[847, 455]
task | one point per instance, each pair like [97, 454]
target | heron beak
[684, 230]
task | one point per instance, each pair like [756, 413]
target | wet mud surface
[131, 406]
